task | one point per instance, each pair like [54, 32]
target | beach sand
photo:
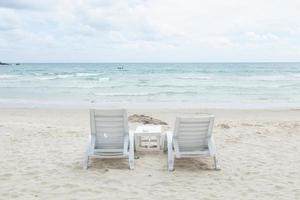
[42, 151]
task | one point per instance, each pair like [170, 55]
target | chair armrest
[211, 146]
[166, 139]
[91, 144]
[169, 136]
[126, 144]
[131, 142]
[170, 140]
[170, 151]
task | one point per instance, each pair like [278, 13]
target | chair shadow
[98, 163]
[194, 164]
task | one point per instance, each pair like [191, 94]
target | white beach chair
[109, 136]
[192, 138]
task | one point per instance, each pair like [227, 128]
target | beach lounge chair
[192, 138]
[109, 136]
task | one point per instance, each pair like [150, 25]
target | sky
[150, 31]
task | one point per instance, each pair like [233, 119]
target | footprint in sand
[5, 176]
[70, 185]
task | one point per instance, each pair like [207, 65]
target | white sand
[41, 154]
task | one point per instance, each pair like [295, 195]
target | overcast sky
[149, 30]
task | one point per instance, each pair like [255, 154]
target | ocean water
[210, 85]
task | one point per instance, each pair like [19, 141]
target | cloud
[28, 4]
[15, 4]
[8, 20]
[144, 30]
[252, 36]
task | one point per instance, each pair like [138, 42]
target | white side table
[152, 133]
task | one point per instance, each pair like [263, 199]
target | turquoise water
[221, 85]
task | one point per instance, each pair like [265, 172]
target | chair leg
[171, 159]
[131, 151]
[216, 163]
[135, 142]
[171, 164]
[131, 162]
[86, 163]
[165, 144]
[131, 157]
[171, 156]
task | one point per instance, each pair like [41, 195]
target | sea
[151, 85]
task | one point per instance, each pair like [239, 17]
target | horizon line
[208, 62]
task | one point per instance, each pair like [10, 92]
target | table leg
[158, 142]
[149, 142]
[137, 142]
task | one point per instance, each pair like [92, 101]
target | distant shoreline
[212, 62]
[2, 63]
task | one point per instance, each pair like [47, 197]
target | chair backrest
[109, 127]
[191, 134]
